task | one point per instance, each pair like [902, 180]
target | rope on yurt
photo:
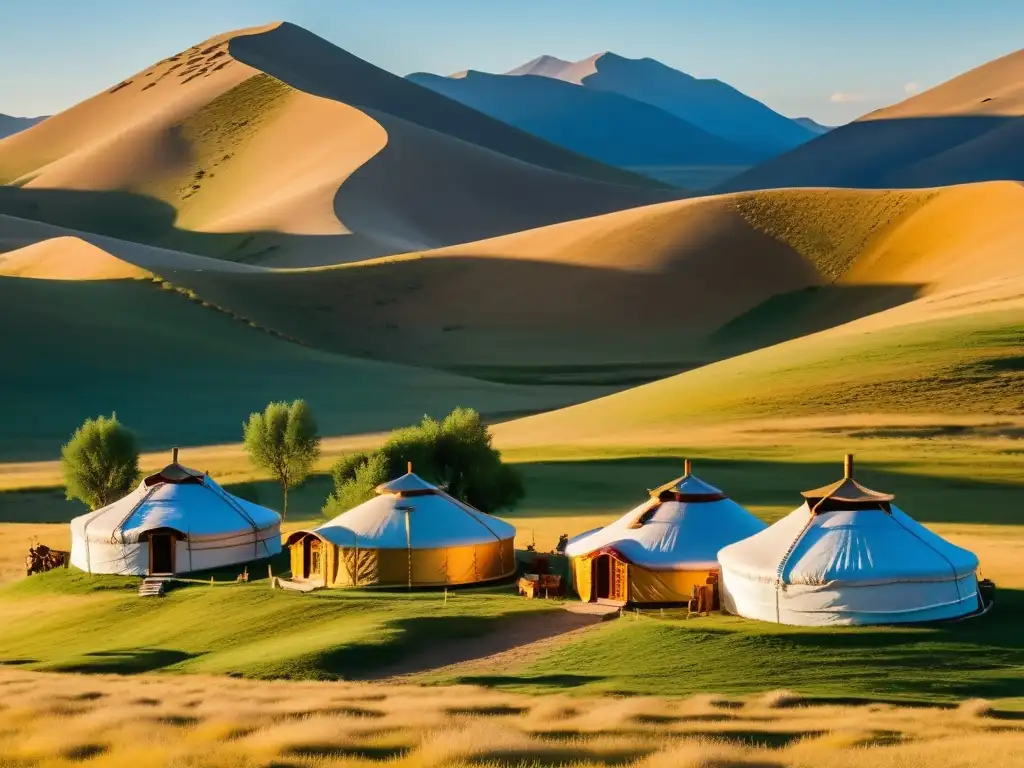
[956, 579]
[408, 544]
[230, 501]
[473, 513]
[785, 561]
[145, 497]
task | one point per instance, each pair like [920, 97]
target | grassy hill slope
[644, 292]
[181, 373]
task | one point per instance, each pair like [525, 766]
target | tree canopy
[100, 463]
[283, 440]
[455, 454]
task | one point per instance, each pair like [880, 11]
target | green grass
[963, 364]
[182, 374]
[246, 630]
[654, 656]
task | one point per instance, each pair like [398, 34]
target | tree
[283, 440]
[456, 454]
[100, 463]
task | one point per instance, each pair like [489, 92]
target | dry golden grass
[56, 720]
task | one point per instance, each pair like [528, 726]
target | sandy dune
[669, 286]
[35, 249]
[964, 130]
[351, 162]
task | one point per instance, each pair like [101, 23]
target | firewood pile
[41, 558]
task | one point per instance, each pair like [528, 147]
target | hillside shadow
[808, 310]
[896, 152]
[614, 486]
[138, 218]
[128, 661]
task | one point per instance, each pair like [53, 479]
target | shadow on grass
[336, 751]
[129, 661]
[613, 486]
[518, 681]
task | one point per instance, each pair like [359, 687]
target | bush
[456, 454]
[100, 463]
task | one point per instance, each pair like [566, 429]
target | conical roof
[687, 487]
[846, 493]
[682, 526]
[410, 513]
[174, 473]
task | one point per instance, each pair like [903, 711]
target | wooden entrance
[313, 559]
[610, 579]
[161, 553]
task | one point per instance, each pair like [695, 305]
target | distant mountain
[603, 125]
[711, 105]
[967, 129]
[812, 125]
[11, 125]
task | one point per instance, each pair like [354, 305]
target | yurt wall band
[411, 534]
[848, 555]
[659, 551]
[176, 521]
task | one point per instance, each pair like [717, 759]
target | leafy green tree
[283, 440]
[100, 463]
[457, 454]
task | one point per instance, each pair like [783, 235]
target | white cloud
[845, 97]
[911, 87]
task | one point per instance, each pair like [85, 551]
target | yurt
[410, 534]
[659, 551]
[177, 521]
[848, 555]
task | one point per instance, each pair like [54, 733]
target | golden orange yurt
[410, 534]
[659, 551]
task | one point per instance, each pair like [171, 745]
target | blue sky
[831, 59]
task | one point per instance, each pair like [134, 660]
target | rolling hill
[634, 295]
[102, 335]
[603, 125]
[710, 104]
[243, 148]
[965, 130]
[10, 125]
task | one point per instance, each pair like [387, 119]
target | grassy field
[179, 373]
[60, 720]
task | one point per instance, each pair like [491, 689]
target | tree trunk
[284, 513]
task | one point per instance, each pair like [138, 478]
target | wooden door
[313, 557]
[619, 589]
[161, 553]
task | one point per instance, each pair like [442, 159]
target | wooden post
[174, 455]
[848, 466]
[211, 581]
[409, 467]
[686, 467]
[270, 574]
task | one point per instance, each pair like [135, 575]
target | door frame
[617, 574]
[308, 545]
[172, 542]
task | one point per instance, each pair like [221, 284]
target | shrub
[455, 454]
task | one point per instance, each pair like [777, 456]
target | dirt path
[519, 641]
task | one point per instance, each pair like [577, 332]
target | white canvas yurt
[410, 534]
[658, 552]
[848, 555]
[177, 521]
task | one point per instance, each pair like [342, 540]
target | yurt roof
[177, 498]
[846, 491]
[409, 512]
[871, 541]
[670, 532]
